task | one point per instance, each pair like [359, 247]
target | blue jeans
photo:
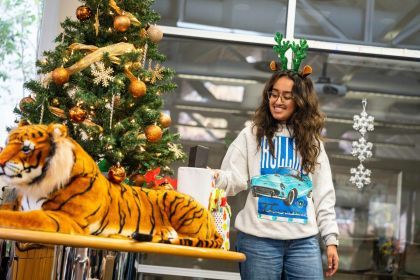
[270, 259]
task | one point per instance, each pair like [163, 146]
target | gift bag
[220, 210]
[196, 182]
[199, 183]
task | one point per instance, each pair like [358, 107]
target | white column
[54, 12]
[290, 28]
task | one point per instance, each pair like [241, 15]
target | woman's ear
[57, 130]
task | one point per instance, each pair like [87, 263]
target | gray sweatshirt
[288, 212]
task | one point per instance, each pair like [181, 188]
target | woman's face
[280, 99]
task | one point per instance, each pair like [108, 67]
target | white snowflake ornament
[360, 176]
[176, 150]
[362, 149]
[363, 122]
[102, 74]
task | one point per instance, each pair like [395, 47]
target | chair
[412, 259]
[356, 254]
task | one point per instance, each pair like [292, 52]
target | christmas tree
[105, 81]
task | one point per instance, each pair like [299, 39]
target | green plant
[18, 20]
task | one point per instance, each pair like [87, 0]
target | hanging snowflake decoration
[360, 176]
[361, 148]
[102, 74]
[176, 150]
[363, 122]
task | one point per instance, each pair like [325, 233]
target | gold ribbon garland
[96, 24]
[113, 51]
[62, 115]
[119, 11]
[128, 73]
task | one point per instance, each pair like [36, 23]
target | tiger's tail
[216, 242]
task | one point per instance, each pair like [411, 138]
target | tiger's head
[37, 158]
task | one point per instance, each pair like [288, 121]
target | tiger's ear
[23, 122]
[57, 130]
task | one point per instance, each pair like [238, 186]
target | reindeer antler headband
[299, 54]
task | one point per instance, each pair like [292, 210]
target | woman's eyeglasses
[275, 95]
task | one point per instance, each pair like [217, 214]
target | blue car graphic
[284, 186]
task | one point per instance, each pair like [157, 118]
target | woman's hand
[216, 174]
[332, 256]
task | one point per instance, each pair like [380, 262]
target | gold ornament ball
[83, 13]
[138, 180]
[137, 88]
[122, 23]
[55, 101]
[165, 120]
[155, 34]
[24, 101]
[116, 174]
[77, 114]
[153, 133]
[60, 76]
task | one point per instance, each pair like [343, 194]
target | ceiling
[391, 86]
[386, 23]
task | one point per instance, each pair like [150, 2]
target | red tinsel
[154, 180]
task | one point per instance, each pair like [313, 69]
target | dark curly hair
[306, 122]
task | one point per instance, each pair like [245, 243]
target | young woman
[281, 158]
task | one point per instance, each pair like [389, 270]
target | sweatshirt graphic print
[282, 189]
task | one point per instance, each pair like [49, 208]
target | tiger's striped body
[62, 190]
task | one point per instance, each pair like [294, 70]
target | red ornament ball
[24, 101]
[83, 13]
[77, 114]
[138, 180]
[116, 174]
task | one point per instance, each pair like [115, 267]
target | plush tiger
[61, 189]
